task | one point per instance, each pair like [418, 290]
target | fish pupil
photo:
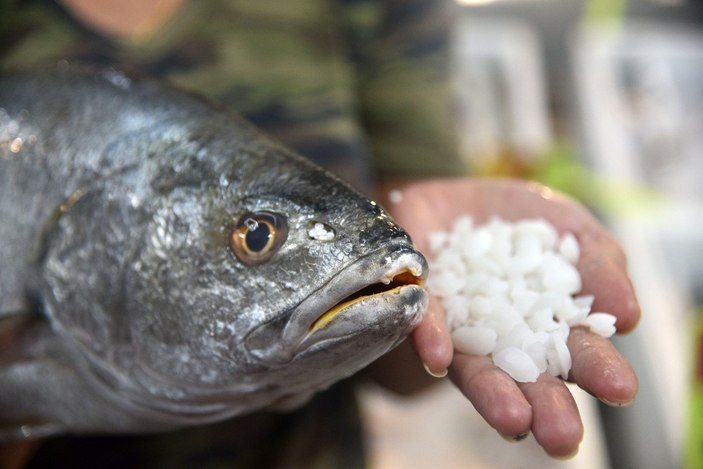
[258, 238]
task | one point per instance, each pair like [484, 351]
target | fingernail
[615, 404]
[565, 457]
[515, 438]
[437, 374]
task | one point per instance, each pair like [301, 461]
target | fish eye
[257, 236]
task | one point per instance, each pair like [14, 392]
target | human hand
[545, 407]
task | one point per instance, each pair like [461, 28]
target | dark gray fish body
[162, 264]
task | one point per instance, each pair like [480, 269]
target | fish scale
[124, 306]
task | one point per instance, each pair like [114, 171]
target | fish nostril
[320, 231]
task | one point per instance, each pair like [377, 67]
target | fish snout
[382, 292]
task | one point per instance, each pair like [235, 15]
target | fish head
[344, 288]
[291, 282]
[232, 284]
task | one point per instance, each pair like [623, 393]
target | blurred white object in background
[440, 429]
[640, 96]
[502, 102]
[640, 91]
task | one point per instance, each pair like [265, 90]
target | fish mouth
[383, 289]
[386, 286]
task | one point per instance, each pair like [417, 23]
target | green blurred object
[561, 169]
[600, 11]
[693, 453]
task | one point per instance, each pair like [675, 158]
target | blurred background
[602, 99]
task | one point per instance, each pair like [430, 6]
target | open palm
[545, 407]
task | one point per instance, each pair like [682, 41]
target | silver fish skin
[127, 302]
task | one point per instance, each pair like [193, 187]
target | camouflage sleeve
[337, 80]
[401, 49]
[280, 63]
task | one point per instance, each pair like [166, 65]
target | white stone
[602, 324]
[508, 290]
[517, 364]
[569, 248]
[476, 340]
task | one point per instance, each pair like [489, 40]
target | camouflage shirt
[359, 86]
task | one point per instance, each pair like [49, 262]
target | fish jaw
[381, 292]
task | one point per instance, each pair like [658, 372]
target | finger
[602, 263]
[603, 273]
[598, 368]
[556, 422]
[432, 342]
[493, 393]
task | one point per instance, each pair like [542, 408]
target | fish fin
[18, 333]
[13, 328]
[25, 431]
[12, 314]
[291, 402]
[16, 307]
[23, 338]
[19, 312]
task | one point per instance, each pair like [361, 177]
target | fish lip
[378, 266]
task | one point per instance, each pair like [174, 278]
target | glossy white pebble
[569, 248]
[474, 340]
[517, 364]
[602, 324]
[508, 290]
